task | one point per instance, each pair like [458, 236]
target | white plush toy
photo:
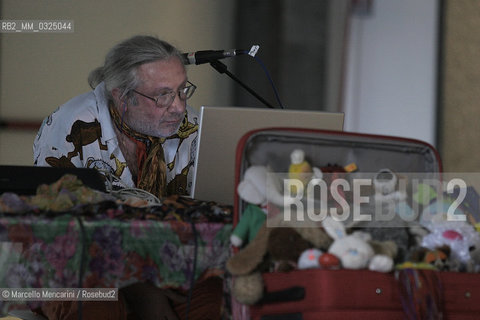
[260, 189]
[260, 186]
[309, 259]
[460, 236]
[354, 251]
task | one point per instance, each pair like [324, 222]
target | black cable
[83, 241]
[275, 91]
[194, 267]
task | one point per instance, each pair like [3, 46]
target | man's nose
[178, 105]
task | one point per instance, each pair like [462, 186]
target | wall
[39, 72]
[391, 77]
[460, 134]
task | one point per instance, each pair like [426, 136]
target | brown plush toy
[284, 247]
[281, 245]
[251, 256]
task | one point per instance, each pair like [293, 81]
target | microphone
[207, 56]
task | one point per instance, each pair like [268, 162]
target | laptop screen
[220, 130]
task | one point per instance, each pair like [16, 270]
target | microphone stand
[223, 69]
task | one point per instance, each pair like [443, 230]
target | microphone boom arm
[223, 69]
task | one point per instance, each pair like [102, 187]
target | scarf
[152, 169]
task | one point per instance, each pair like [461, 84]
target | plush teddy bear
[284, 247]
[259, 254]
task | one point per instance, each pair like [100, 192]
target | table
[121, 247]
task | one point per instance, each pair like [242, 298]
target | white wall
[39, 72]
[391, 73]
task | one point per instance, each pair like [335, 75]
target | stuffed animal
[460, 236]
[309, 259]
[442, 217]
[424, 258]
[285, 245]
[301, 169]
[252, 218]
[314, 258]
[254, 254]
[259, 254]
[473, 265]
[248, 289]
[392, 217]
[259, 189]
[435, 210]
[355, 251]
[450, 223]
[329, 261]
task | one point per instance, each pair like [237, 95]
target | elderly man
[135, 124]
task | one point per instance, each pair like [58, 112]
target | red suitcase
[349, 294]
[363, 294]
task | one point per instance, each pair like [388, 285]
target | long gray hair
[121, 62]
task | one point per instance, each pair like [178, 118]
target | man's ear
[117, 97]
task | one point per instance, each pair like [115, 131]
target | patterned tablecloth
[120, 245]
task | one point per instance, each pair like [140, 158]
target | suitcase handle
[290, 294]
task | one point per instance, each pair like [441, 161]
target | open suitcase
[347, 294]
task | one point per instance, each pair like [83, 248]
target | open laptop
[220, 130]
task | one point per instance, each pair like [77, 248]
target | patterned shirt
[80, 134]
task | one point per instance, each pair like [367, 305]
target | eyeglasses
[165, 100]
